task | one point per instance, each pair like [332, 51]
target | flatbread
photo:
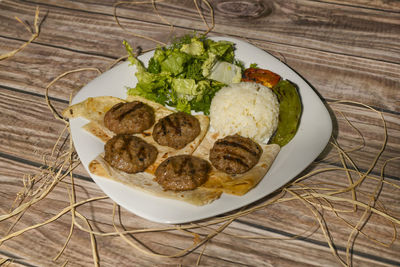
[238, 184]
[94, 109]
[144, 181]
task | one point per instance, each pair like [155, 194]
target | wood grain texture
[389, 6]
[347, 50]
[307, 23]
[253, 252]
[361, 76]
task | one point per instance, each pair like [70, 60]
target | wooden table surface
[346, 50]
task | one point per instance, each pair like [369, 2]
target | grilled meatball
[129, 153]
[176, 130]
[235, 154]
[182, 172]
[129, 118]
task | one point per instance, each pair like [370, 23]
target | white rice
[248, 109]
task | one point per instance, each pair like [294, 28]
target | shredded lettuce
[194, 48]
[183, 75]
[208, 64]
[226, 72]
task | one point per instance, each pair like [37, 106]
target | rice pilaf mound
[248, 109]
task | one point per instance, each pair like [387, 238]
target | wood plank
[371, 127]
[223, 241]
[27, 130]
[388, 6]
[310, 24]
[29, 134]
[322, 180]
[30, 70]
[350, 77]
[218, 251]
[80, 31]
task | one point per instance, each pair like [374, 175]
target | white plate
[312, 136]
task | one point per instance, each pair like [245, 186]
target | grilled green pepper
[290, 109]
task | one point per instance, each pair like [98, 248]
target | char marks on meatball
[182, 172]
[176, 130]
[235, 154]
[129, 118]
[129, 153]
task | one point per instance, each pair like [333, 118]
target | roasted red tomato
[265, 77]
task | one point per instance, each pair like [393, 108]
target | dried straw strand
[34, 34]
[71, 194]
[5, 260]
[201, 254]
[358, 203]
[58, 177]
[52, 219]
[342, 155]
[322, 224]
[377, 156]
[71, 229]
[209, 28]
[53, 110]
[182, 252]
[163, 19]
[394, 235]
[95, 253]
[115, 6]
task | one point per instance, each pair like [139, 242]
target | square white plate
[312, 136]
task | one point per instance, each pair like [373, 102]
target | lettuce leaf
[226, 73]
[194, 48]
[175, 63]
[154, 66]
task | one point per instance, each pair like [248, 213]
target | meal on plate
[194, 158]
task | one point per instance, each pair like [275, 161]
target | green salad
[186, 74]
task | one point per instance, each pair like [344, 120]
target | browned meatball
[176, 130]
[129, 118]
[182, 172]
[235, 154]
[129, 153]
